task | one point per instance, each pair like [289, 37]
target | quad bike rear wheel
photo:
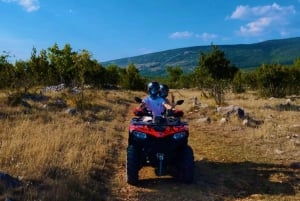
[132, 165]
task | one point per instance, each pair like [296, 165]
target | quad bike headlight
[139, 135]
[180, 135]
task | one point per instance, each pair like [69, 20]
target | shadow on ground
[227, 181]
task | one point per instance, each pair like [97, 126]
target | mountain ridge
[243, 56]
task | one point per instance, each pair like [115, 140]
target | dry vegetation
[59, 156]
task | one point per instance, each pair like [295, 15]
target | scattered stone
[75, 90]
[223, 120]
[55, 88]
[71, 111]
[277, 151]
[288, 101]
[266, 106]
[253, 123]
[204, 120]
[58, 103]
[231, 109]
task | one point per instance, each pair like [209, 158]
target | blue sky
[113, 29]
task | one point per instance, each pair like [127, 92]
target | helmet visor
[153, 91]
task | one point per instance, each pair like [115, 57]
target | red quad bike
[159, 142]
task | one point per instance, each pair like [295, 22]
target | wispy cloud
[179, 35]
[187, 34]
[28, 5]
[206, 36]
[263, 19]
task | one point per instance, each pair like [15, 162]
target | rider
[155, 103]
[164, 92]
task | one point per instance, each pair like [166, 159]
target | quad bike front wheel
[132, 166]
[185, 165]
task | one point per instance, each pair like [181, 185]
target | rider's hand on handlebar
[167, 106]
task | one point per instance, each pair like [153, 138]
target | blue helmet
[153, 89]
[163, 90]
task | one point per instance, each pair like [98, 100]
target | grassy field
[55, 154]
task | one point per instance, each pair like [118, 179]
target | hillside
[283, 51]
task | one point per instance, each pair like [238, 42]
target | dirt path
[219, 176]
[149, 182]
[151, 187]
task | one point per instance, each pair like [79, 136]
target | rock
[204, 120]
[277, 151]
[223, 120]
[231, 109]
[253, 123]
[71, 111]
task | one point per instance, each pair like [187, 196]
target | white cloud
[179, 35]
[187, 34]
[256, 27]
[240, 12]
[28, 5]
[206, 36]
[274, 10]
[263, 19]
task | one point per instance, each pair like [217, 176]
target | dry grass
[59, 156]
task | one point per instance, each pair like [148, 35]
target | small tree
[174, 74]
[293, 80]
[81, 61]
[22, 76]
[272, 80]
[237, 83]
[6, 71]
[62, 63]
[250, 80]
[131, 79]
[112, 75]
[214, 73]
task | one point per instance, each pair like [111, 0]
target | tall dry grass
[62, 156]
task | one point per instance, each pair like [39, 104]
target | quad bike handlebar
[139, 100]
[142, 110]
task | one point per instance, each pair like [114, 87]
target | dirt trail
[217, 177]
[151, 187]
[149, 182]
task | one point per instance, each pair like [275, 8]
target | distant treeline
[214, 73]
